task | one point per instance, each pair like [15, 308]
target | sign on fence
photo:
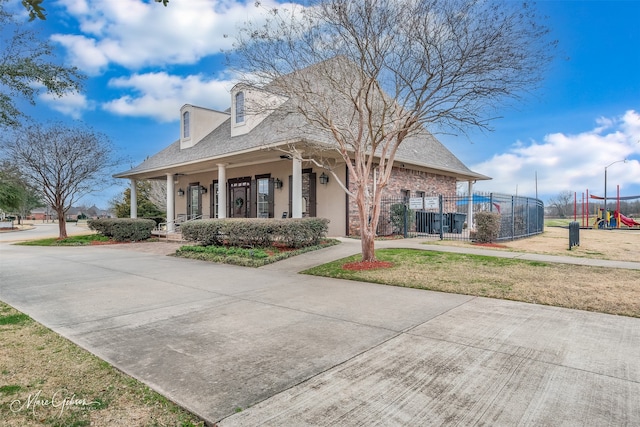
[415, 203]
[431, 203]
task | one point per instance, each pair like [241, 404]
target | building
[250, 162]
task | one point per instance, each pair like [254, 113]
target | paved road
[299, 350]
[41, 231]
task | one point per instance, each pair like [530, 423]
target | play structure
[629, 222]
[599, 215]
[613, 220]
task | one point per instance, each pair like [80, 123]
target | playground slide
[629, 222]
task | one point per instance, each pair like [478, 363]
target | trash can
[456, 221]
[437, 220]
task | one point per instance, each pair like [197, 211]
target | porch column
[470, 207]
[296, 188]
[171, 202]
[134, 199]
[222, 190]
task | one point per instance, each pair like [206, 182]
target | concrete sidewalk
[301, 350]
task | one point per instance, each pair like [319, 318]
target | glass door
[194, 201]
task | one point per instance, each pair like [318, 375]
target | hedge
[487, 227]
[123, 229]
[255, 232]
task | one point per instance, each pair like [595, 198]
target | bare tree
[405, 68]
[158, 194]
[562, 203]
[63, 162]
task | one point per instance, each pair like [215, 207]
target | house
[42, 214]
[246, 163]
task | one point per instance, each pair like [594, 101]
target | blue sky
[145, 61]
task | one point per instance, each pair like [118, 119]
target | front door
[239, 198]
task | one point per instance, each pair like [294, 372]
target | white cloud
[160, 95]
[71, 105]
[136, 34]
[570, 162]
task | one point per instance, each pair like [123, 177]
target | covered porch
[264, 183]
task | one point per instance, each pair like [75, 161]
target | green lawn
[82, 240]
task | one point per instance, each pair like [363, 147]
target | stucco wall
[330, 198]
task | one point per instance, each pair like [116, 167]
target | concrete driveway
[299, 350]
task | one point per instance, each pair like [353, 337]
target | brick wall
[406, 179]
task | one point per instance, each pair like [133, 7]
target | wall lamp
[277, 183]
[203, 189]
[324, 178]
[180, 192]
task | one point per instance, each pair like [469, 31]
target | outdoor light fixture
[203, 189]
[324, 179]
[277, 183]
[181, 192]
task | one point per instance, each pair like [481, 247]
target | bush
[487, 227]
[158, 219]
[123, 229]
[254, 232]
[207, 232]
[397, 217]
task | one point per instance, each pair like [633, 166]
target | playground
[601, 215]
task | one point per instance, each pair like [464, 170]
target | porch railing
[164, 229]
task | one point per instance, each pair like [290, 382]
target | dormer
[198, 122]
[250, 106]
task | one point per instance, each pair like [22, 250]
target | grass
[246, 257]
[613, 291]
[47, 380]
[557, 222]
[81, 240]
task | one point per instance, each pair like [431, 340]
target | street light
[605, 185]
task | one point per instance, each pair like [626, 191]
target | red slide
[626, 220]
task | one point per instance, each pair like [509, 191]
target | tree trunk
[367, 239]
[62, 224]
[367, 228]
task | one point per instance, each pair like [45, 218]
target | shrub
[123, 229]
[398, 217]
[158, 219]
[487, 227]
[207, 232]
[254, 232]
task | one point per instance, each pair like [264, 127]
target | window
[185, 125]
[240, 107]
[405, 194]
[263, 197]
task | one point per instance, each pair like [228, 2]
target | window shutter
[312, 195]
[253, 207]
[290, 193]
[271, 197]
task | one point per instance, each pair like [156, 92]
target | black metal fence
[451, 217]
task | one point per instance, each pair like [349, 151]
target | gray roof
[284, 125]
